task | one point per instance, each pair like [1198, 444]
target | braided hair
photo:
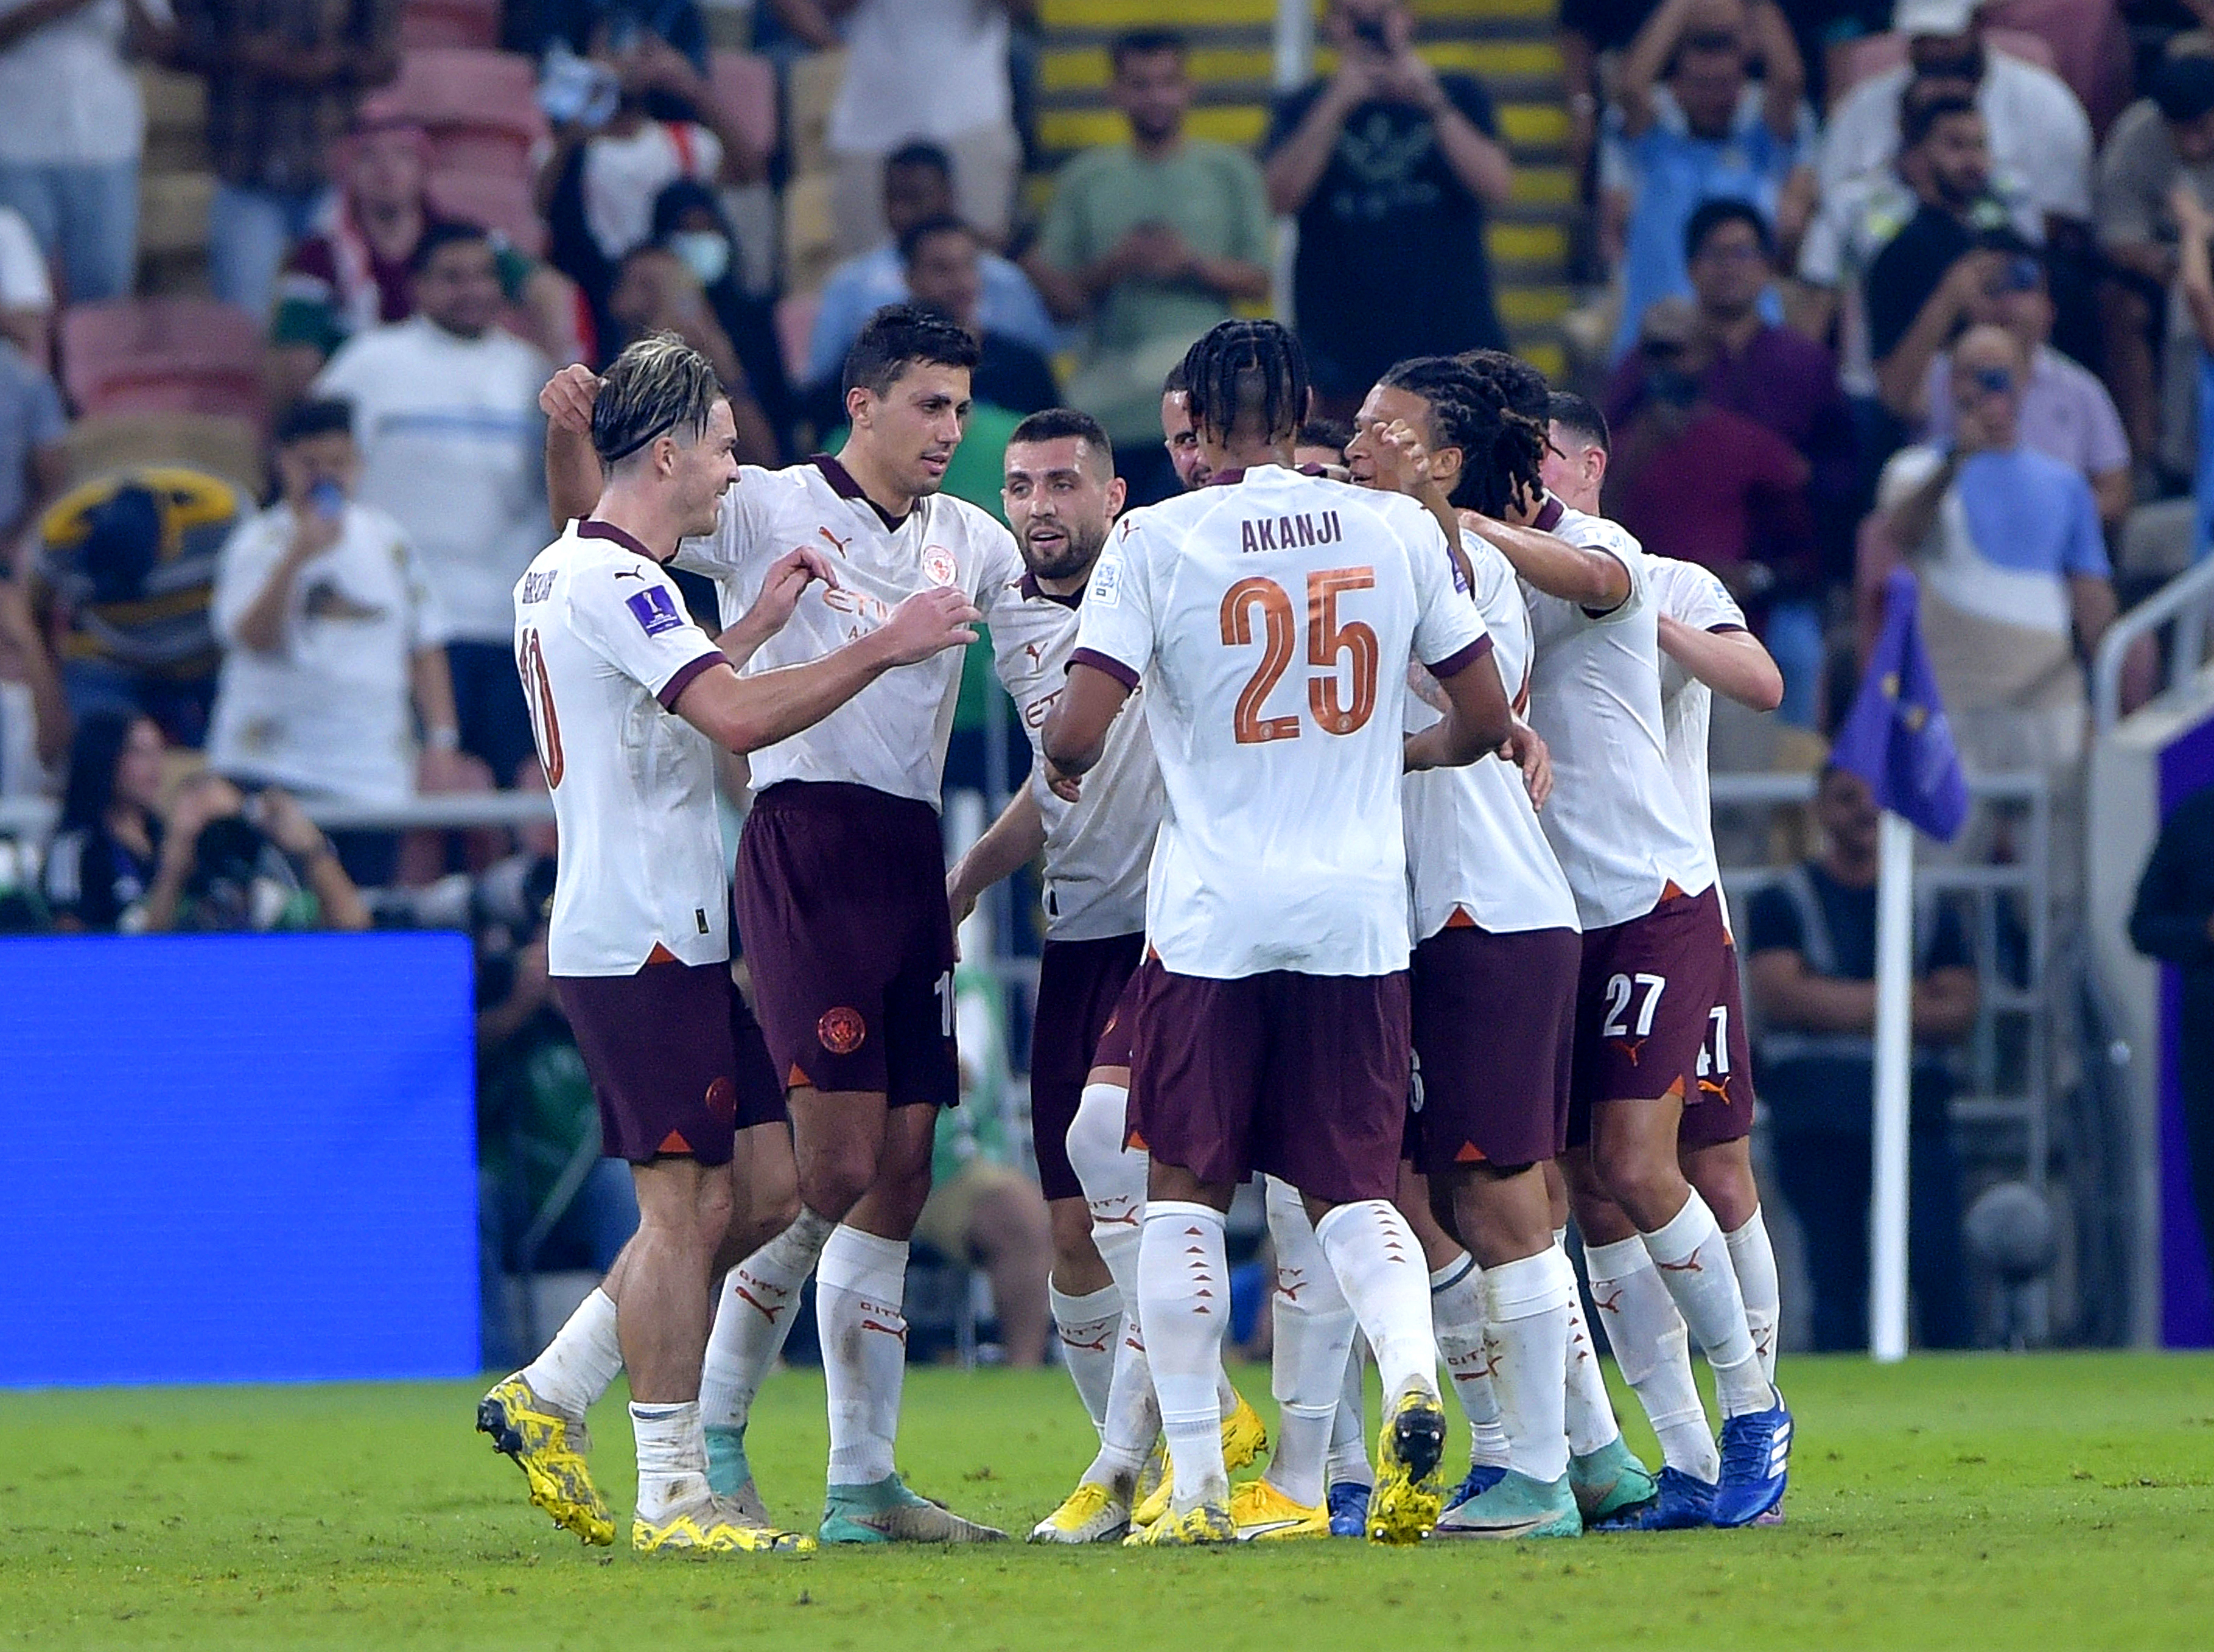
[1247, 374]
[1501, 449]
[1518, 403]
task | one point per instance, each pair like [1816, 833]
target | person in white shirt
[841, 890]
[629, 699]
[27, 291]
[332, 639]
[1655, 945]
[446, 414]
[2040, 133]
[1272, 1035]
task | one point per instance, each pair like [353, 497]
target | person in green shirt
[1151, 242]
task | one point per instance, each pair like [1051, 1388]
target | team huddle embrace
[1370, 790]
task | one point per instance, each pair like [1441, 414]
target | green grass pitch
[2057, 1502]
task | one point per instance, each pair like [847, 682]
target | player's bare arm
[1013, 841]
[744, 713]
[573, 476]
[1592, 580]
[788, 579]
[1477, 721]
[1731, 662]
[1076, 733]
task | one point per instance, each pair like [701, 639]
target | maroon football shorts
[1719, 1107]
[1494, 1026]
[1080, 985]
[1646, 1006]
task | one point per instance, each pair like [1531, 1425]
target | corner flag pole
[1894, 1009]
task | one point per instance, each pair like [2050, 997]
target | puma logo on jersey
[1630, 1046]
[630, 573]
[836, 544]
[1035, 653]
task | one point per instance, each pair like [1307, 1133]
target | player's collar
[590, 528]
[843, 485]
[1034, 592]
[1549, 515]
[1225, 478]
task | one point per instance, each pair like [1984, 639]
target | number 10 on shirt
[1327, 638]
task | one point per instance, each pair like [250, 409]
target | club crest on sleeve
[655, 610]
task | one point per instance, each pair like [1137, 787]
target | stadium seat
[163, 355]
[480, 109]
[493, 200]
[745, 86]
[225, 446]
[472, 23]
[173, 212]
[812, 86]
[810, 233]
[1854, 61]
[795, 325]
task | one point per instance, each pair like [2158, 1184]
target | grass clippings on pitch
[2059, 1502]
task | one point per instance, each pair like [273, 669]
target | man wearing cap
[2040, 133]
[2163, 138]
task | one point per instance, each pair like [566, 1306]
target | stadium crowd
[1866, 284]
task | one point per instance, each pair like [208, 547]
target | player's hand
[961, 901]
[279, 813]
[1408, 78]
[1069, 788]
[1403, 460]
[439, 770]
[789, 576]
[567, 399]
[1528, 752]
[928, 621]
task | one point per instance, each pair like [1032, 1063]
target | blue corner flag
[1897, 738]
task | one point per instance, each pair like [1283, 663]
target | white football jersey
[1616, 820]
[1270, 616]
[1690, 596]
[1096, 848]
[605, 647]
[1473, 841]
[891, 736]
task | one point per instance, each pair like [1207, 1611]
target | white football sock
[1313, 1345]
[1134, 1415]
[1695, 1265]
[582, 1361]
[1754, 1258]
[1090, 1328]
[859, 1288]
[1378, 1264]
[1348, 1435]
[1184, 1300]
[1654, 1350]
[1589, 1412]
[1113, 1176]
[1526, 1325]
[1457, 1315]
[672, 1456]
[759, 1298]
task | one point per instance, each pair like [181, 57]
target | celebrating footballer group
[1372, 802]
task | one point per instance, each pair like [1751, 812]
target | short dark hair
[437, 237]
[1144, 43]
[1711, 214]
[1247, 371]
[657, 385]
[318, 416]
[931, 156]
[944, 224]
[1916, 121]
[1580, 415]
[1061, 424]
[1175, 383]
[1332, 433]
[901, 336]
[1501, 450]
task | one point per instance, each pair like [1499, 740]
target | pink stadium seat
[473, 23]
[163, 355]
[503, 204]
[745, 86]
[795, 325]
[1872, 54]
[480, 108]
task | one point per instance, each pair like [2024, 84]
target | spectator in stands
[688, 222]
[1705, 483]
[107, 843]
[452, 448]
[918, 185]
[70, 146]
[2162, 139]
[1693, 127]
[1588, 30]
[2195, 284]
[1810, 947]
[2014, 577]
[123, 575]
[26, 291]
[608, 165]
[2173, 922]
[332, 633]
[1151, 241]
[929, 70]
[1390, 167]
[942, 257]
[2037, 129]
[1920, 286]
[353, 273]
[229, 862]
[34, 714]
[32, 424]
[282, 84]
[577, 23]
[657, 291]
[2066, 412]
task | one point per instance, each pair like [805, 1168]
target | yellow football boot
[546, 1445]
[1262, 1514]
[1409, 1491]
[1091, 1513]
[1209, 1523]
[712, 1525]
[1245, 1437]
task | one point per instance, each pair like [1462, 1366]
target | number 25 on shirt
[1328, 637]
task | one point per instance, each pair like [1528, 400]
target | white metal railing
[2186, 602]
[33, 817]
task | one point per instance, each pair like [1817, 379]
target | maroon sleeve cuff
[674, 688]
[1724, 629]
[1099, 662]
[1461, 659]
